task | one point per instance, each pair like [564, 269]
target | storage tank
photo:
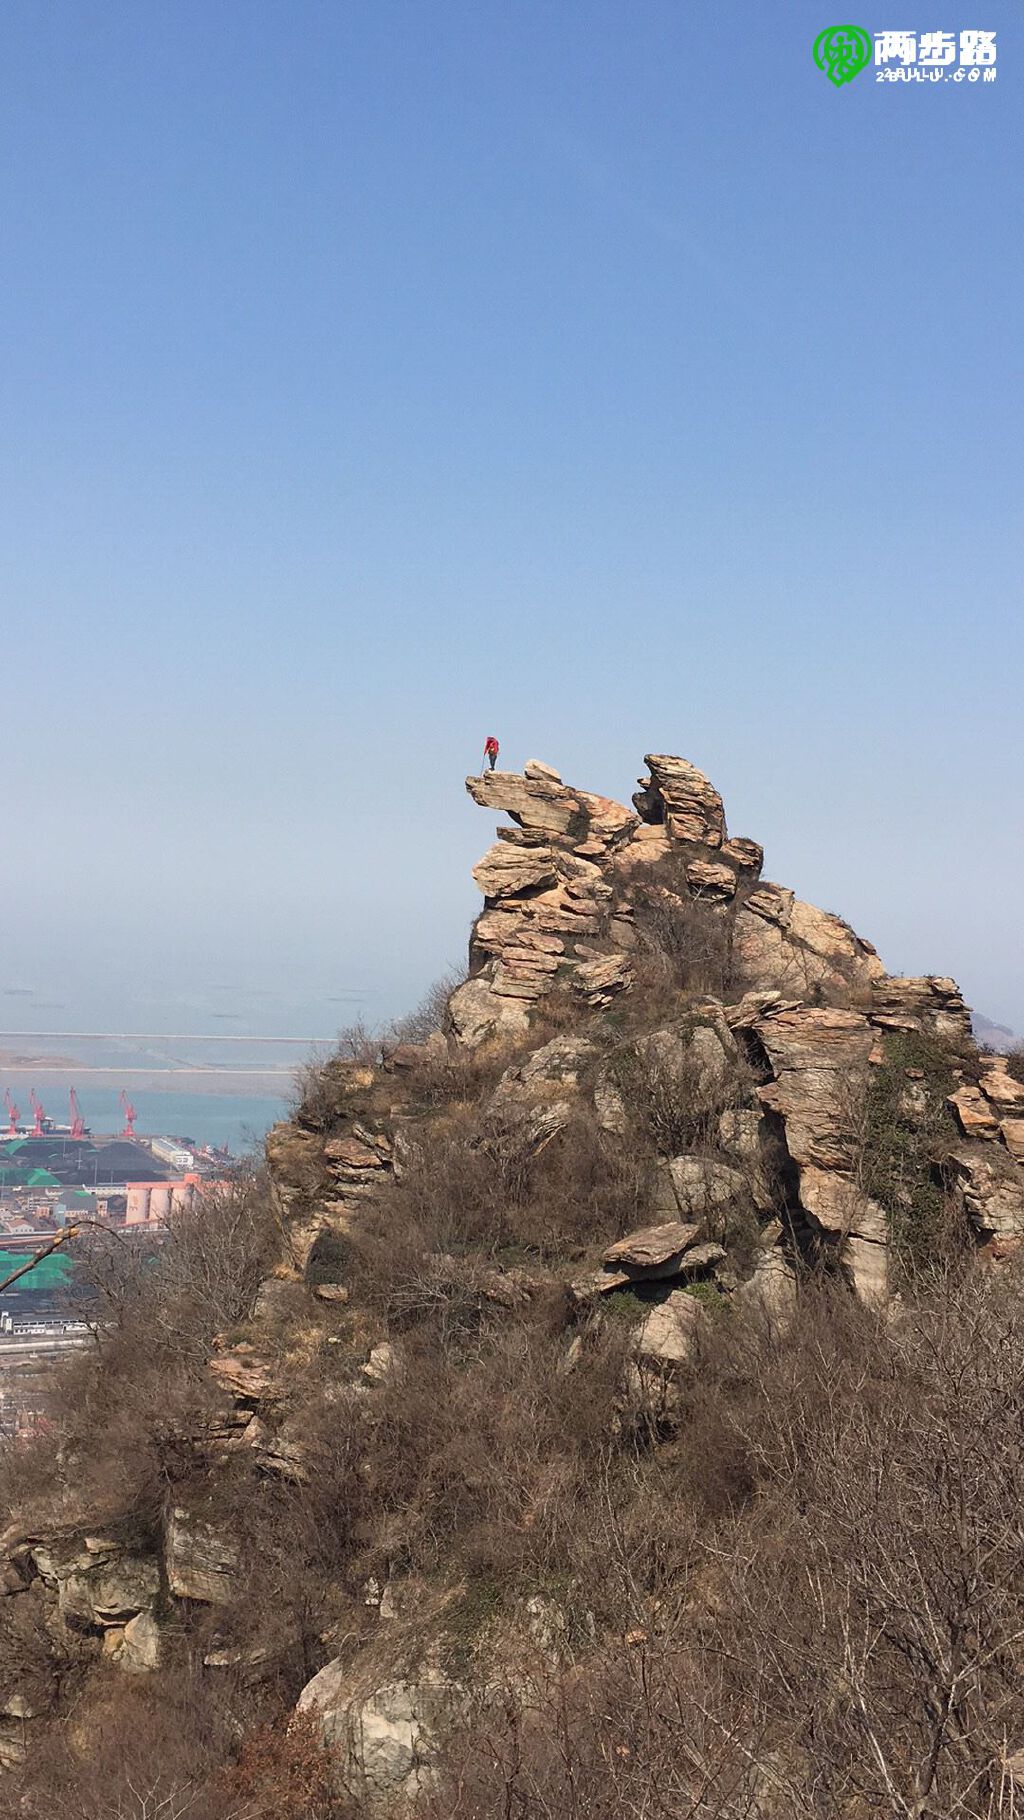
[137, 1211]
[160, 1201]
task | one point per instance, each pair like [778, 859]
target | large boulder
[537, 1096]
[840, 1209]
[654, 1251]
[670, 1334]
[479, 1014]
[136, 1649]
[679, 795]
[507, 871]
[558, 1063]
[698, 1187]
[697, 1052]
[932, 1005]
[819, 1060]
[541, 803]
[383, 1740]
[202, 1559]
[98, 1581]
[770, 1292]
[782, 944]
[991, 1190]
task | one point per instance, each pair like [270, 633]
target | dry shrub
[321, 1084]
[323, 1087]
[457, 1076]
[124, 1420]
[167, 1748]
[478, 1461]
[136, 1748]
[430, 1014]
[482, 1463]
[901, 1132]
[674, 1097]
[283, 1772]
[844, 1639]
[482, 1184]
[684, 943]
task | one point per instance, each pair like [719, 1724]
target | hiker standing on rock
[490, 752]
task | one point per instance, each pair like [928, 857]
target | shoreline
[239, 1083]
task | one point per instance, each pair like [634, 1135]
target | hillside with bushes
[605, 1399]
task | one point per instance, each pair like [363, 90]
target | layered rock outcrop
[811, 997]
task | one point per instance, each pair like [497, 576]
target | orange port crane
[77, 1121]
[13, 1114]
[39, 1128]
[129, 1115]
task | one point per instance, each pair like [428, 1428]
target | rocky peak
[680, 798]
[557, 889]
[568, 892]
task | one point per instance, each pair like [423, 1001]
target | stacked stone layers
[558, 889]
[555, 885]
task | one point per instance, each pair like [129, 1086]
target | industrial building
[153, 1203]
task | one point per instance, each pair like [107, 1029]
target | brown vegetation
[684, 942]
[841, 1633]
[782, 1578]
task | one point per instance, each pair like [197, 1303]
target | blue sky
[381, 373]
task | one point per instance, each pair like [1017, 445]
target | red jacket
[490, 745]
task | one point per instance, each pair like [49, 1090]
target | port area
[50, 1178]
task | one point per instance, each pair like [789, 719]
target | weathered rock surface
[771, 1292]
[670, 1334]
[384, 1740]
[478, 1013]
[136, 1648]
[697, 1053]
[98, 1582]
[819, 1059]
[932, 1005]
[681, 797]
[699, 1186]
[991, 1186]
[202, 1561]
[974, 1114]
[559, 1063]
[655, 1251]
[781, 943]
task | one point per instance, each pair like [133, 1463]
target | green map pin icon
[842, 51]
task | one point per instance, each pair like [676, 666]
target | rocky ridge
[810, 999]
[629, 968]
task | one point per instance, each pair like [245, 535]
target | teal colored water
[238, 1120]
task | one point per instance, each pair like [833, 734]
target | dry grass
[794, 1589]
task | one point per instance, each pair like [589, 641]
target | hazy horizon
[386, 375]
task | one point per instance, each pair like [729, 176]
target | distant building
[153, 1203]
[170, 1151]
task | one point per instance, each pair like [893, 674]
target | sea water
[238, 1122]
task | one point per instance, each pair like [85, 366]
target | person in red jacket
[490, 751]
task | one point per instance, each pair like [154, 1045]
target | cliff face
[667, 1096]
